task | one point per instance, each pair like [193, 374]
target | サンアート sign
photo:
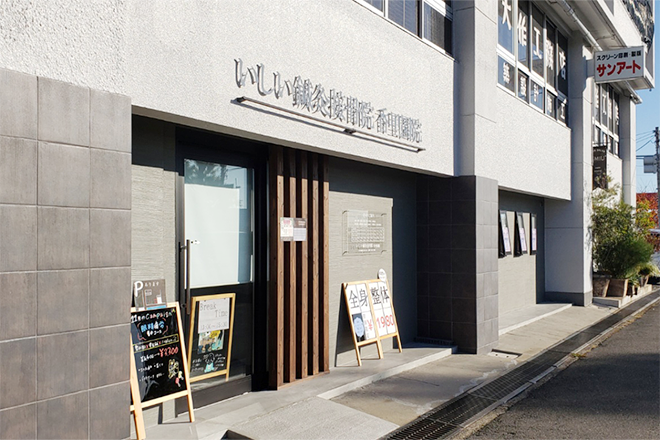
[331, 104]
[619, 64]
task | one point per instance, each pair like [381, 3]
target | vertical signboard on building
[600, 166]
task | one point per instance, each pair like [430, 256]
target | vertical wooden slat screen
[298, 291]
[301, 271]
[276, 285]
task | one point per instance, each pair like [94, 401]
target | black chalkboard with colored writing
[158, 352]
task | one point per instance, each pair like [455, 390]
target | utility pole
[657, 169]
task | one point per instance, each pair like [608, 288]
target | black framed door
[222, 235]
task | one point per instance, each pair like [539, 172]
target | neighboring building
[404, 133]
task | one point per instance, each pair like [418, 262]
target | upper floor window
[430, 20]
[532, 58]
[606, 118]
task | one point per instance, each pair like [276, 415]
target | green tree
[620, 235]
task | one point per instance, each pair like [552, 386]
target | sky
[648, 117]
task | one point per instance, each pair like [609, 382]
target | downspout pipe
[592, 41]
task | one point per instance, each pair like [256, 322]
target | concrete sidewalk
[370, 401]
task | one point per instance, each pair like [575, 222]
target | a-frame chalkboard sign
[159, 367]
[371, 314]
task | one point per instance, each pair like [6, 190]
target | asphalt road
[611, 393]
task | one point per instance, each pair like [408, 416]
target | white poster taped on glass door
[213, 315]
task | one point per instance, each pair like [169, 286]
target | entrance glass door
[218, 216]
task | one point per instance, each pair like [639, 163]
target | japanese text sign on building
[619, 64]
[330, 103]
[371, 314]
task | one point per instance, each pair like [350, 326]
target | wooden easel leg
[191, 412]
[357, 354]
[379, 347]
[138, 419]
[398, 340]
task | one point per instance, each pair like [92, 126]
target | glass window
[537, 41]
[550, 66]
[562, 74]
[550, 105]
[378, 4]
[616, 114]
[507, 73]
[437, 28]
[218, 213]
[562, 110]
[536, 95]
[603, 104]
[597, 102]
[610, 109]
[505, 24]
[523, 86]
[523, 32]
[403, 13]
[428, 19]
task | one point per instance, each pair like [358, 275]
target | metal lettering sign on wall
[363, 232]
[619, 64]
[330, 103]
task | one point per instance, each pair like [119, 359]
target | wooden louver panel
[298, 344]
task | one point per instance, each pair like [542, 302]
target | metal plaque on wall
[363, 232]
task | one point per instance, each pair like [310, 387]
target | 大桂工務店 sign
[619, 64]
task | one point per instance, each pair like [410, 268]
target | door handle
[186, 247]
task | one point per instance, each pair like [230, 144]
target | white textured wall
[525, 150]
[181, 60]
[177, 57]
[78, 41]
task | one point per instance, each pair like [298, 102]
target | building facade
[447, 142]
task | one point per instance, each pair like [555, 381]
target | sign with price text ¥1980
[371, 314]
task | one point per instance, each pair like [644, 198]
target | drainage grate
[422, 429]
[443, 421]
[460, 410]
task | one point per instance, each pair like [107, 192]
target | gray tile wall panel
[19, 367]
[62, 364]
[109, 355]
[110, 238]
[107, 412]
[19, 422]
[18, 183]
[46, 189]
[64, 417]
[18, 109]
[63, 112]
[18, 238]
[63, 175]
[109, 296]
[63, 238]
[18, 305]
[110, 121]
[57, 312]
[110, 179]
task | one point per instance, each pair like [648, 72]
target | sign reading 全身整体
[619, 64]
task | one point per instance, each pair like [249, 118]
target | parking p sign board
[619, 64]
